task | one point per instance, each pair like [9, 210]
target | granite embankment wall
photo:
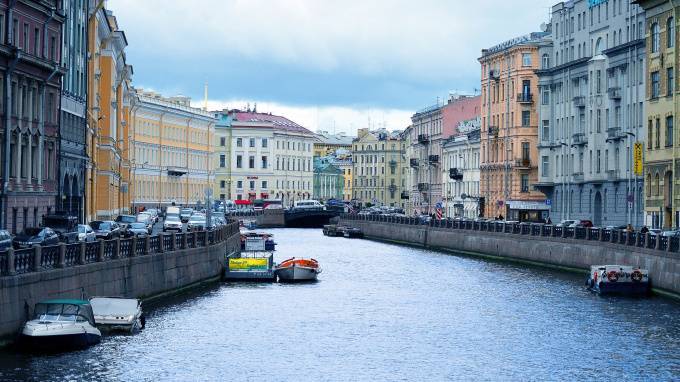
[517, 242]
[141, 267]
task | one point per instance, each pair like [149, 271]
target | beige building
[379, 168]
[509, 157]
[173, 145]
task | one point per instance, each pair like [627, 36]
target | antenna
[205, 96]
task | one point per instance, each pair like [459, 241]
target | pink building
[458, 109]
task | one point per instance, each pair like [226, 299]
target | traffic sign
[548, 202]
[439, 205]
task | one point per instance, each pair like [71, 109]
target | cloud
[382, 53]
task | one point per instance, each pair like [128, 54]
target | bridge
[308, 218]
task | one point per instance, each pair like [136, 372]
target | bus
[260, 204]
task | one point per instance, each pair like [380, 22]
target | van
[172, 211]
[308, 205]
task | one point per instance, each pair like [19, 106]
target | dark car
[136, 229]
[106, 229]
[35, 235]
[66, 226]
[5, 240]
[125, 220]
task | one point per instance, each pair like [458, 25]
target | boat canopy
[64, 310]
[110, 306]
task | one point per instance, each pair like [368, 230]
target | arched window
[598, 46]
[670, 32]
[655, 37]
[656, 185]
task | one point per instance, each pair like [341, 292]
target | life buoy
[613, 276]
[636, 276]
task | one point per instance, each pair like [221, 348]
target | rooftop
[339, 139]
[278, 121]
[532, 37]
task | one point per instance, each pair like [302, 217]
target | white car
[172, 223]
[309, 205]
[86, 233]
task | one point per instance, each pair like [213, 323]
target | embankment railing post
[11, 269]
[37, 257]
[62, 255]
[173, 245]
[100, 254]
[83, 252]
[116, 249]
[133, 250]
[147, 245]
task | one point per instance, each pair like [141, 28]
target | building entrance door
[597, 207]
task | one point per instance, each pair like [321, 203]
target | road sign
[439, 205]
[548, 202]
[637, 158]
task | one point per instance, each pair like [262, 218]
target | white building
[461, 171]
[271, 158]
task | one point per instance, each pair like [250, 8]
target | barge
[618, 279]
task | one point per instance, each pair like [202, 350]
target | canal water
[383, 312]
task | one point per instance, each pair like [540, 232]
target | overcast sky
[327, 65]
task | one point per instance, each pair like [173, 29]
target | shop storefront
[527, 211]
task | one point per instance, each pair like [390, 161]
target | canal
[384, 312]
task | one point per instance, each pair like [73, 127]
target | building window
[545, 166]
[545, 62]
[670, 81]
[223, 161]
[239, 142]
[649, 134]
[264, 161]
[223, 141]
[223, 196]
[251, 184]
[239, 184]
[546, 97]
[669, 131]
[545, 130]
[525, 182]
[264, 184]
[251, 142]
[239, 161]
[264, 142]
[670, 32]
[598, 81]
[222, 183]
[658, 133]
[526, 118]
[251, 162]
[655, 37]
[526, 59]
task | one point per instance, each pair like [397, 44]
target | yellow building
[173, 147]
[109, 91]
[329, 144]
[379, 168]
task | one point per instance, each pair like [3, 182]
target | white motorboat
[61, 324]
[294, 269]
[618, 279]
[118, 314]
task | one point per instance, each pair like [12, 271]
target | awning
[240, 202]
[527, 205]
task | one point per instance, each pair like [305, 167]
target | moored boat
[295, 269]
[61, 324]
[350, 232]
[256, 241]
[118, 314]
[618, 279]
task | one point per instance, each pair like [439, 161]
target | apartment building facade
[460, 171]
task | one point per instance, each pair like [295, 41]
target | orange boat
[295, 269]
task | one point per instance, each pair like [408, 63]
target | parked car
[185, 214]
[5, 240]
[125, 220]
[86, 233]
[35, 235]
[106, 229]
[196, 222]
[146, 219]
[137, 229]
[172, 211]
[154, 214]
[66, 226]
[172, 223]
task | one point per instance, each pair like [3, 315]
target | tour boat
[61, 324]
[251, 240]
[350, 232]
[118, 314]
[295, 269]
[618, 279]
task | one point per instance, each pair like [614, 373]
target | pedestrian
[644, 229]
[629, 228]
[548, 221]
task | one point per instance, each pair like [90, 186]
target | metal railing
[38, 258]
[648, 241]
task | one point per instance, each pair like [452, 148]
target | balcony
[548, 145]
[493, 131]
[579, 139]
[404, 195]
[614, 93]
[455, 174]
[413, 162]
[614, 134]
[613, 175]
[580, 101]
[433, 159]
[392, 188]
[177, 171]
[525, 98]
[578, 177]
[423, 139]
[523, 163]
[393, 163]
[423, 186]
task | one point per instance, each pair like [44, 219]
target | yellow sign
[249, 264]
[637, 158]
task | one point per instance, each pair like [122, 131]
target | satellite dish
[544, 27]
